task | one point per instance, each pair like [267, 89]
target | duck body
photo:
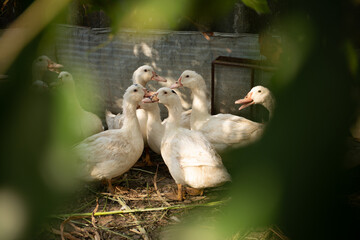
[191, 159]
[222, 130]
[83, 123]
[111, 153]
[88, 124]
[228, 131]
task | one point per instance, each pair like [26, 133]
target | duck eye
[66, 75]
[145, 70]
[187, 76]
[40, 59]
[259, 91]
[165, 92]
[135, 90]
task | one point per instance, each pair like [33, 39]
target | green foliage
[260, 6]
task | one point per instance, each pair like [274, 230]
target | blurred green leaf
[351, 57]
[260, 6]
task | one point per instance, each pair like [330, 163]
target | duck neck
[130, 119]
[138, 80]
[71, 97]
[175, 111]
[37, 74]
[154, 114]
[269, 104]
[199, 105]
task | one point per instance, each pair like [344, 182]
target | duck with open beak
[152, 98]
[157, 77]
[53, 66]
[177, 84]
[246, 101]
[148, 94]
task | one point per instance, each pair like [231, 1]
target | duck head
[66, 79]
[135, 93]
[44, 63]
[189, 79]
[146, 73]
[257, 95]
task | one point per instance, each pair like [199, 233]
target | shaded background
[294, 177]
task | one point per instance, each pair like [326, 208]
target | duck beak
[153, 98]
[149, 94]
[158, 78]
[54, 67]
[246, 101]
[146, 100]
[177, 84]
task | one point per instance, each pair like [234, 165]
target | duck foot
[194, 191]
[176, 196]
[146, 161]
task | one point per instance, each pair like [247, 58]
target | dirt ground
[143, 195]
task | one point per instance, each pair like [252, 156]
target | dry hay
[139, 209]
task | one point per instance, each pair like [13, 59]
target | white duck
[258, 95]
[155, 128]
[84, 123]
[191, 159]
[141, 76]
[111, 153]
[222, 130]
[40, 66]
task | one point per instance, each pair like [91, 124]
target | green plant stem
[209, 204]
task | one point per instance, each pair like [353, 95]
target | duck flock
[188, 141]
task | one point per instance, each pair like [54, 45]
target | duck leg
[147, 159]
[180, 195]
[110, 186]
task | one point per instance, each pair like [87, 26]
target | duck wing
[230, 129]
[191, 149]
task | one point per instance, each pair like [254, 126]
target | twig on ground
[157, 190]
[64, 234]
[278, 233]
[93, 220]
[62, 225]
[142, 170]
[139, 227]
[106, 199]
